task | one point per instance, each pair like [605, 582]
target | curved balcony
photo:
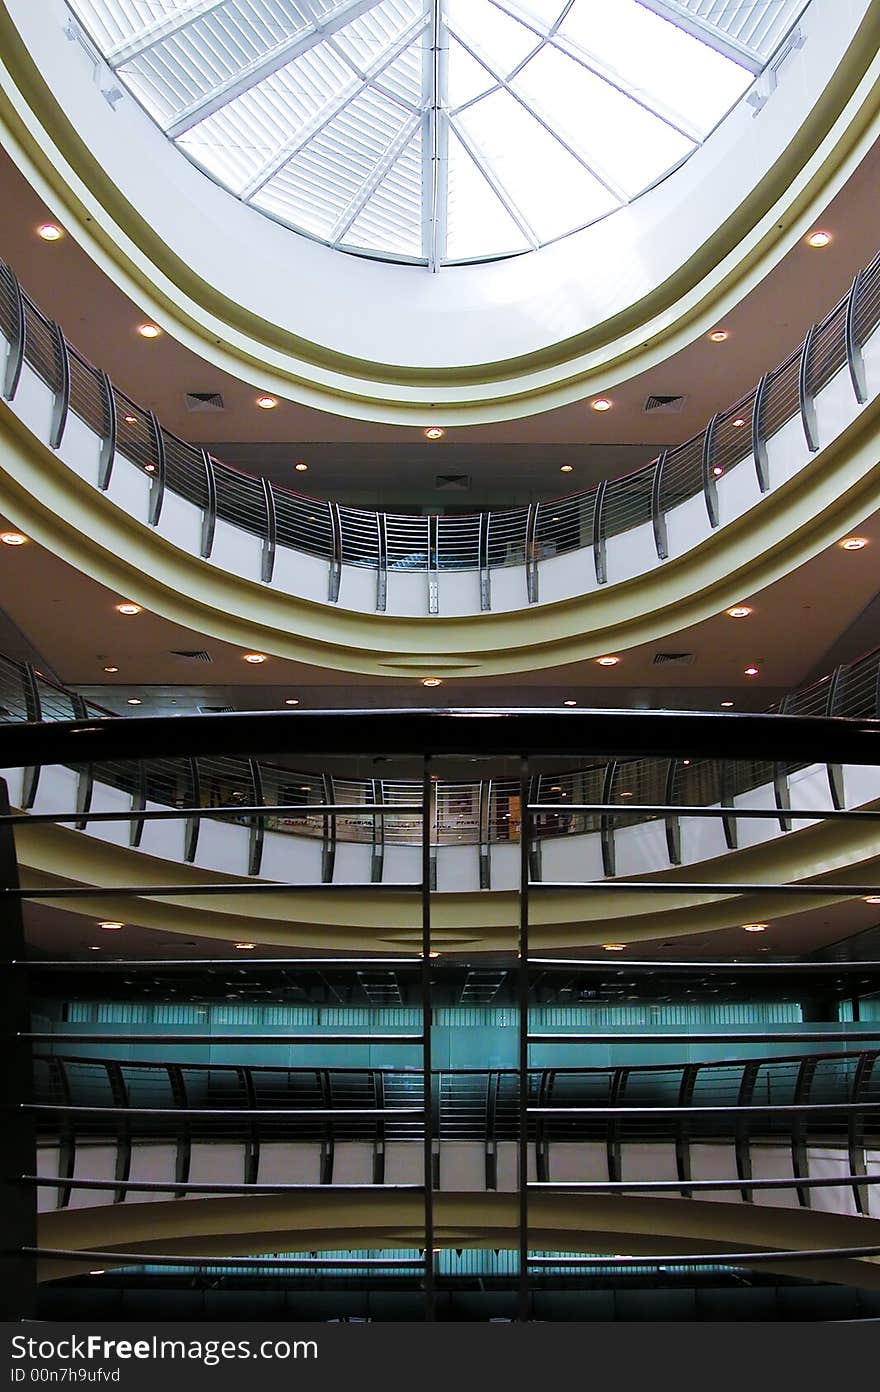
[799, 1131]
[602, 819]
[635, 557]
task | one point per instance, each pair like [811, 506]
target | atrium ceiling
[437, 131]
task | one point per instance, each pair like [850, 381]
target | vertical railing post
[85, 782]
[856, 1130]
[759, 442]
[267, 569]
[61, 403]
[606, 831]
[15, 359]
[673, 822]
[483, 561]
[328, 827]
[835, 771]
[110, 433]
[30, 777]
[377, 855]
[381, 562]
[799, 1153]
[742, 1135]
[658, 516]
[484, 817]
[18, 1202]
[710, 483]
[209, 514]
[599, 555]
[336, 553]
[523, 1070]
[138, 804]
[193, 823]
[531, 556]
[433, 565]
[258, 824]
[806, 401]
[427, 1022]
[157, 479]
[854, 358]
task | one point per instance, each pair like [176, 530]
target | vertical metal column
[18, 1202]
[523, 993]
[428, 1109]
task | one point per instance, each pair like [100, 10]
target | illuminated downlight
[128, 609]
[739, 611]
[254, 658]
[565, 468]
[613, 947]
[434, 432]
[149, 330]
[50, 232]
[751, 672]
[608, 661]
[854, 543]
[601, 404]
[432, 681]
[719, 336]
[110, 925]
[819, 239]
[756, 927]
[13, 539]
[301, 467]
[267, 403]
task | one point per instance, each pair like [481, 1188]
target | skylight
[437, 130]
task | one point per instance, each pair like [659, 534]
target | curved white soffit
[473, 343]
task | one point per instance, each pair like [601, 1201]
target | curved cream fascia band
[831, 142]
[255, 1224]
[475, 920]
[836, 490]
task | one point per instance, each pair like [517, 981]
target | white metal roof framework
[437, 130]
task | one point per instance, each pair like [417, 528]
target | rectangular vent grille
[203, 401]
[461, 482]
[674, 659]
[216, 710]
[665, 405]
[192, 654]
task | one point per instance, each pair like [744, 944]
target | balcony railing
[484, 543]
[805, 1107]
[479, 812]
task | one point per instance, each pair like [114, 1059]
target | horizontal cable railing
[479, 542]
[479, 812]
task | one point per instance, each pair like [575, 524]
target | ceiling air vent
[216, 710]
[192, 654]
[674, 659]
[203, 401]
[664, 405]
[461, 482]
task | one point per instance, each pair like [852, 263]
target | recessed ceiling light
[613, 947]
[254, 658]
[50, 232]
[93, 948]
[301, 467]
[431, 681]
[245, 947]
[717, 470]
[627, 793]
[434, 432]
[130, 420]
[739, 611]
[111, 669]
[727, 704]
[128, 608]
[267, 403]
[134, 700]
[291, 701]
[565, 468]
[149, 330]
[99, 1271]
[149, 468]
[110, 925]
[819, 238]
[608, 661]
[750, 672]
[13, 539]
[569, 703]
[756, 927]
[739, 422]
[719, 336]
[601, 404]
[854, 543]
[872, 899]
[557, 788]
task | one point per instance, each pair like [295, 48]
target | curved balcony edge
[361, 916]
[832, 491]
[559, 1222]
[44, 144]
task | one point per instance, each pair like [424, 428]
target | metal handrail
[852, 690]
[481, 542]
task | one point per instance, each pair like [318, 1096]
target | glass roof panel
[435, 130]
